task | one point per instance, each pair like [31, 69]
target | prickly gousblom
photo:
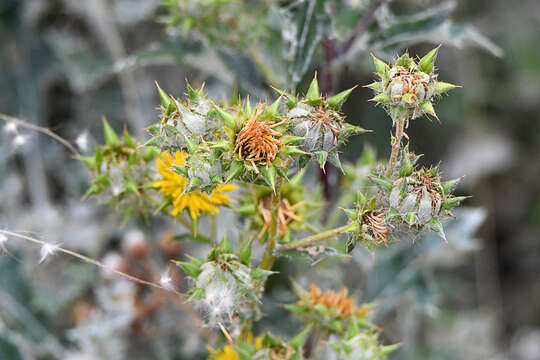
[224, 285]
[263, 347]
[341, 321]
[416, 196]
[408, 87]
[293, 212]
[181, 194]
[200, 147]
[122, 172]
[319, 122]
[257, 141]
[181, 122]
[369, 225]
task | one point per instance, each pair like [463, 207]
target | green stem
[310, 240]
[400, 122]
[213, 228]
[268, 257]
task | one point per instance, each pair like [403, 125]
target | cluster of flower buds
[224, 285]
[318, 120]
[408, 88]
[352, 335]
[293, 213]
[251, 144]
[416, 196]
[123, 172]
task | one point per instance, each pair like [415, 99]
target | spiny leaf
[269, 174]
[427, 107]
[129, 141]
[380, 65]
[427, 62]
[225, 245]
[375, 86]
[163, 97]
[381, 98]
[336, 101]
[111, 138]
[245, 252]
[236, 169]
[313, 91]
[442, 87]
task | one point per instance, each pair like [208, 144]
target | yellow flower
[173, 185]
[227, 353]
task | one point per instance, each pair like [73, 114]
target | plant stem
[268, 257]
[213, 228]
[400, 122]
[310, 240]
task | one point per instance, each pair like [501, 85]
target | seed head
[331, 299]
[48, 250]
[376, 225]
[257, 141]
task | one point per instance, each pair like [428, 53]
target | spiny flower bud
[319, 122]
[257, 140]
[417, 197]
[122, 172]
[224, 287]
[408, 87]
[182, 122]
[368, 223]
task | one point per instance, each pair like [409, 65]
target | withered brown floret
[376, 226]
[326, 118]
[331, 299]
[257, 141]
[286, 214]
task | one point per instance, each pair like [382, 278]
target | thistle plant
[238, 183]
[207, 155]
[204, 155]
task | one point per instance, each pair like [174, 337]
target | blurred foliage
[65, 63]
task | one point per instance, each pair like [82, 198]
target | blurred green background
[66, 63]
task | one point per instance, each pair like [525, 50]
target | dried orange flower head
[376, 225]
[257, 141]
[331, 299]
[286, 214]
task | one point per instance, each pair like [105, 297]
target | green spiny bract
[123, 172]
[224, 285]
[368, 224]
[408, 88]
[183, 124]
[319, 121]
